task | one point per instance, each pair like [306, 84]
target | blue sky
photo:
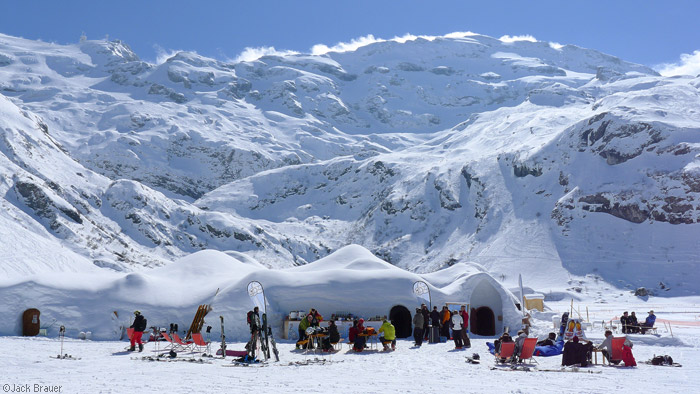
[646, 32]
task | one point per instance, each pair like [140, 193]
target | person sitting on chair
[518, 344]
[360, 340]
[576, 352]
[505, 337]
[606, 347]
[333, 336]
[633, 324]
[303, 325]
[389, 337]
[648, 323]
[625, 322]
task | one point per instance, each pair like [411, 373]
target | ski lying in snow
[533, 369]
[258, 364]
[663, 365]
[172, 360]
[513, 368]
[574, 370]
[315, 361]
[64, 357]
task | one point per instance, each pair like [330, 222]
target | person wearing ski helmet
[139, 327]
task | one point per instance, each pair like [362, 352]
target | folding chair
[172, 343]
[199, 344]
[183, 345]
[617, 343]
[528, 350]
[506, 352]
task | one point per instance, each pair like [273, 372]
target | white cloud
[163, 54]
[689, 64]
[556, 45]
[460, 34]
[354, 44]
[322, 49]
[251, 54]
[526, 37]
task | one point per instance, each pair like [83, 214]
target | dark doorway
[483, 322]
[401, 319]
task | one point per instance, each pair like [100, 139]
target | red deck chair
[506, 351]
[528, 349]
[200, 344]
[617, 343]
[172, 343]
[182, 345]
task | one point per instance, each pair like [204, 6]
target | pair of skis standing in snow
[261, 333]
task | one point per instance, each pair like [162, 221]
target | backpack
[253, 321]
[662, 360]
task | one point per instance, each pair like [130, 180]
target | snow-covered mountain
[521, 156]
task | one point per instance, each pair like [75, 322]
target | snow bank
[352, 280]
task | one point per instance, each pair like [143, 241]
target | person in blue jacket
[649, 322]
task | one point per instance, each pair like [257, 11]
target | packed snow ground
[104, 366]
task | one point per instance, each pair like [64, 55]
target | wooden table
[595, 356]
[371, 339]
[317, 339]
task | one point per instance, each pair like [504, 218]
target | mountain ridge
[427, 152]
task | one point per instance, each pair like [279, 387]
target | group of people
[630, 325]
[439, 323]
[579, 351]
[358, 333]
[574, 352]
[312, 320]
[519, 340]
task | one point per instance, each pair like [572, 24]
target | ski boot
[140, 347]
[131, 349]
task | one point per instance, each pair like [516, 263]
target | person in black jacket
[576, 352]
[435, 321]
[333, 336]
[426, 321]
[633, 327]
[625, 322]
[139, 327]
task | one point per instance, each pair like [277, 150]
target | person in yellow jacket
[389, 337]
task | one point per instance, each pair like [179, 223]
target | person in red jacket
[352, 333]
[359, 340]
[465, 330]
